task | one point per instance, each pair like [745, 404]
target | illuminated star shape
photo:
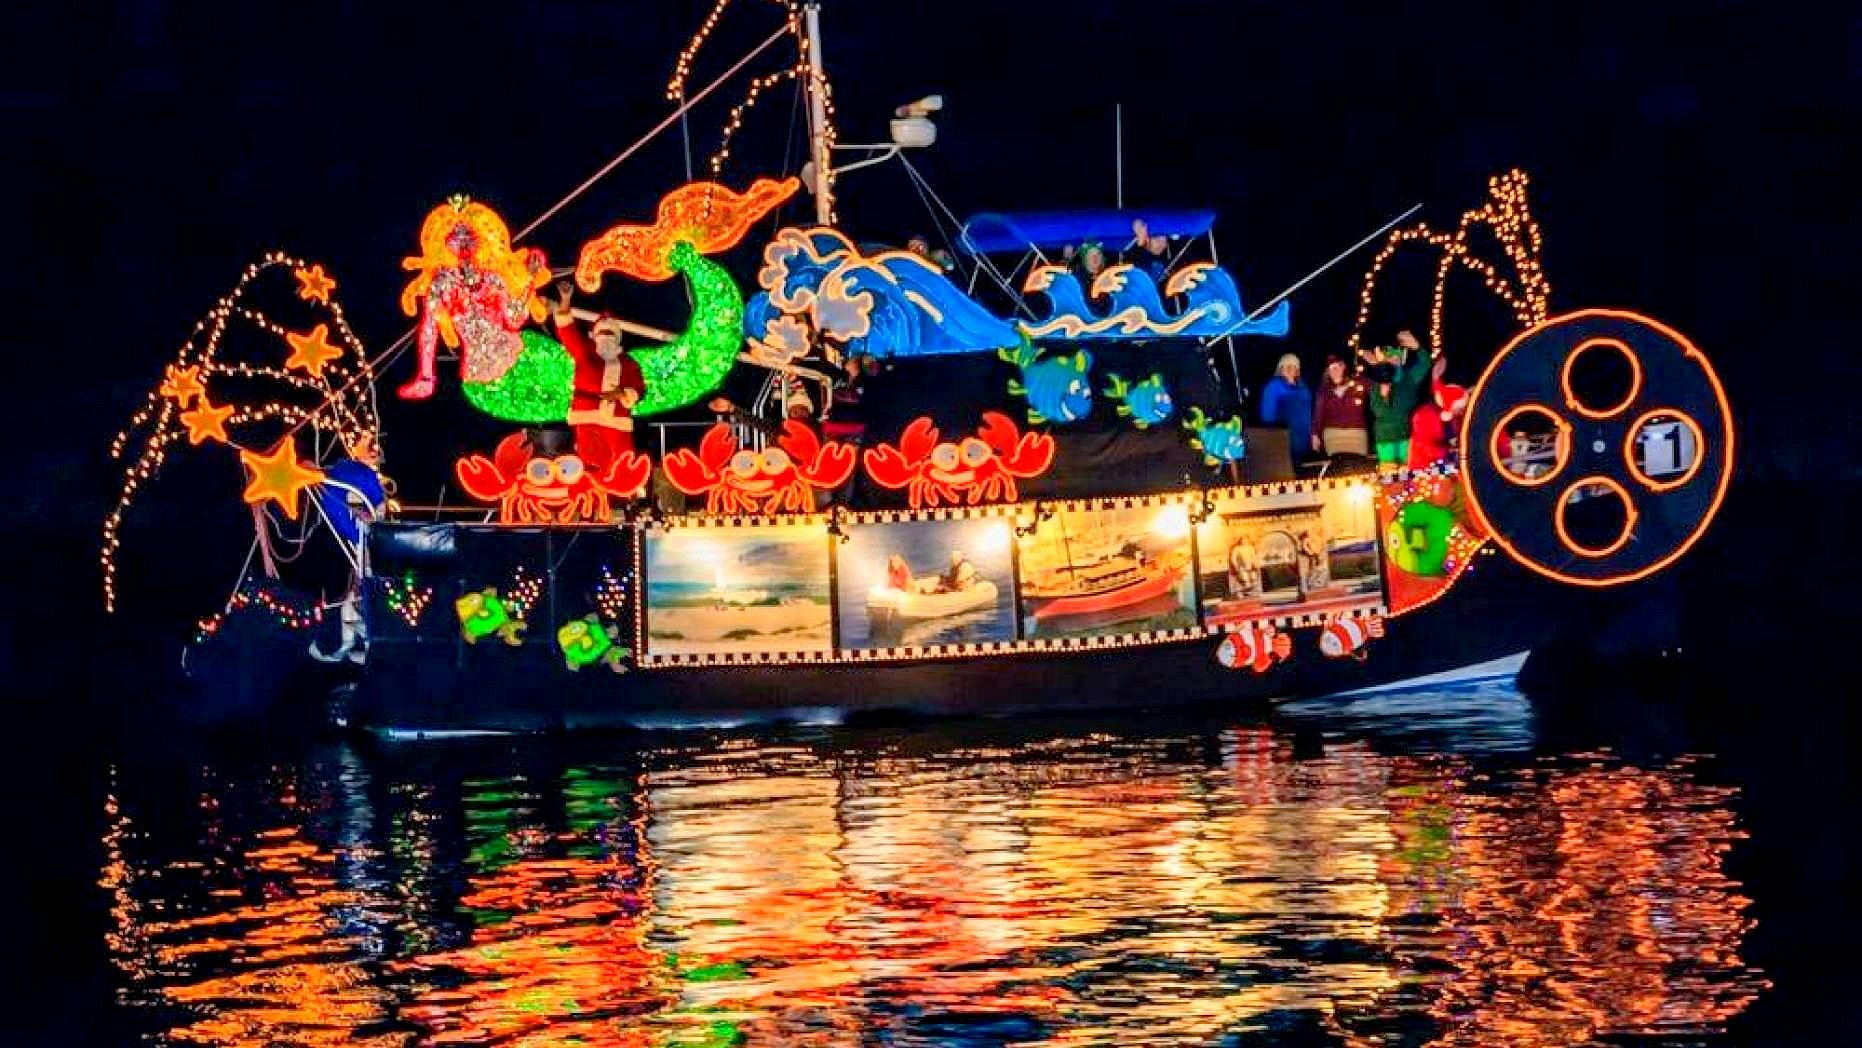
[312, 351]
[277, 476]
[183, 384]
[313, 285]
[206, 421]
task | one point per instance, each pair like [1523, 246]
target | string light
[817, 82]
[521, 595]
[1507, 215]
[406, 598]
[611, 595]
[284, 612]
[742, 109]
[682, 69]
[191, 402]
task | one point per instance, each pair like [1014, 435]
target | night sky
[1697, 162]
[1692, 162]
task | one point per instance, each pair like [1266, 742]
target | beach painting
[732, 590]
[915, 583]
[1291, 553]
[1088, 572]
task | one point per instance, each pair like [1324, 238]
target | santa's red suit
[1432, 429]
[603, 427]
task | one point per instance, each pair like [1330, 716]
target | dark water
[1406, 871]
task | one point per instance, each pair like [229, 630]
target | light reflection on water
[1244, 883]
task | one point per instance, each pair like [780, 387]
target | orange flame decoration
[531, 488]
[782, 478]
[709, 216]
[980, 469]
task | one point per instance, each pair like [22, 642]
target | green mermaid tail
[695, 363]
[537, 386]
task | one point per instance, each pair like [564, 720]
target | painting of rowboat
[737, 589]
[925, 582]
[1085, 572]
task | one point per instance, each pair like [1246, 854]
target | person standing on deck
[1286, 401]
[1398, 378]
[1436, 424]
[1340, 425]
[607, 383]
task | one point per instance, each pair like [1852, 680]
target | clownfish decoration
[1342, 637]
[1058, 388]
[1146, 403]
[1254, 648]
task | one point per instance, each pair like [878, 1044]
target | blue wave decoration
[896, 304]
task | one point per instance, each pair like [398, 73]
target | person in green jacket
[1400, 379]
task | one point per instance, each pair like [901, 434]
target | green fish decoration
[1218, 441]
[484, 614]
[1146, 403]
[1057, 387]
[586, 641]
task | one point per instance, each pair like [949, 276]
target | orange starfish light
[206, 422]
[183, 384]
[311, 351]
[709, 216]
[313, 285]
[277, 476]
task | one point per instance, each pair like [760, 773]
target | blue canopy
[997, 231]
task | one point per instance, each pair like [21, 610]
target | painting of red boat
[1122, 587]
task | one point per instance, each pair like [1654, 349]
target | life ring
[1606, 449]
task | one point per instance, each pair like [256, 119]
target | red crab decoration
[981, 468]
[781, 478]
[530, 488]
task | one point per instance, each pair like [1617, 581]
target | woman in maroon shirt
[1339, 424]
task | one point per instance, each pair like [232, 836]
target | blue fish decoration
[1058, 388]
[1218, 441]
[1146, 403]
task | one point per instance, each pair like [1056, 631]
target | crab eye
[569, 468]
[744, 463]
[944, 456]
[975, 452]
[775, 460]
[538, 471]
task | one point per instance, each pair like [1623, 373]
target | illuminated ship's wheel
[1598, 404]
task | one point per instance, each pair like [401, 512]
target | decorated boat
[731, 519]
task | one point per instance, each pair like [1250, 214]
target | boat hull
[428, 685]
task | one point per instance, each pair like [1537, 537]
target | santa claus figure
[608, 382]
[1436, 425]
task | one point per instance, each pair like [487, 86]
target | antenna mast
[818, 119]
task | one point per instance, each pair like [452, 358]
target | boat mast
[818, 119]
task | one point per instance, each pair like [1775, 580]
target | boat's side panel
[1495, 611]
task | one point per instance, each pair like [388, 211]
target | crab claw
[626, 476]
[825, 465]
[689, 473]
[919, 438]
[488, 480]
[887, 467]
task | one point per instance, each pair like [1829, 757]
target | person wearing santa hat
[607, 384]
[1436, 423]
